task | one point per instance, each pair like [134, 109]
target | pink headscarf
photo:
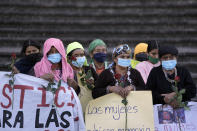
[44, 66]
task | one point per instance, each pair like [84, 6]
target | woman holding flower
[120, 78]
[53, 65]
[31, 54]
[84, 76]
[163, 80]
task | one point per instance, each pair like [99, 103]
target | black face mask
[141, 57]
[33, 57]
[28, 62]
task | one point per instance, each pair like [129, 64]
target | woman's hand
[169, 99]
[126, 90]
[90, 81]
[72, 83]
[116, 89]
[15, 70]
[48, 77]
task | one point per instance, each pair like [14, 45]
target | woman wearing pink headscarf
[53, 65]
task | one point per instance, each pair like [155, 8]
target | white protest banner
[27, 106]
[167, 119]
[107, 113]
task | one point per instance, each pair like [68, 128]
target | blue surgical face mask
[169, 64]
[124, 62]
[100, 57]
[55, 58]
[79, 62]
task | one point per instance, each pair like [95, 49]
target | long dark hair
[152, 45]
[29, 43]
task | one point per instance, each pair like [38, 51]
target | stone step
[100, 30]
[100, 3]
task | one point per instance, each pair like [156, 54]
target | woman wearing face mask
[31, 55]
[85, 76]
[98, 52]
[153, 60]
[140, 54]
[162, 78]
[53, 65]
[119, 78]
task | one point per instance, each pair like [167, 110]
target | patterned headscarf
[121, 49]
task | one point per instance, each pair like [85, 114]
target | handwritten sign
[27, 106]
[107, 113]
[168, 119]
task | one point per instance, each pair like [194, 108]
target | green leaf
[182, 91]
[124, 101]
[81, 73]
[186, 108]
[89, 74]
[52, 83]
[53, 90]
[179, 98]
[186, 103]
[173, 88]
[122, 84]
[48, 87]
[8, 75]
[44, 87]
[59, 84]
[11, 82]
[82, 79]
[90, 87]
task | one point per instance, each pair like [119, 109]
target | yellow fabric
[134, 63]
[85, 94]
[139, 48]
[75, 45]
[72, 46]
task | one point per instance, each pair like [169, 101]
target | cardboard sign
[27, 106]
[107, 113]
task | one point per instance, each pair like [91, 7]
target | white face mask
[79, 62]
[55, 58]
[169, 64]
[124, 62]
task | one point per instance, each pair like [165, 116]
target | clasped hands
[121, 91]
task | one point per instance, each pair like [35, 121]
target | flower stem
[12, 98]
[179, 121]
[126, 118]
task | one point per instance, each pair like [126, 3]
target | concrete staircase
[114, 21]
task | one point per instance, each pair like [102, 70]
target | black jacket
[158, 84]
[106, 78]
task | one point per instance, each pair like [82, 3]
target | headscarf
[73, 46]
[95, 43]
[44, 66]
[120, 50]
[28, 43]
[140, 48]
[167, 49]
